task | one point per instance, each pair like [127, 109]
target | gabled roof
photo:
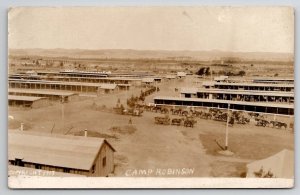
[24, 98]
[55, 150]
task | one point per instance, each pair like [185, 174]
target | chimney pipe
[85, 133]
[22, 127]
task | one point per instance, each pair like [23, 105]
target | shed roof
[43, 92]
[24, 98]
[55, 150]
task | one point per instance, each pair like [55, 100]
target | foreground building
[82, 155]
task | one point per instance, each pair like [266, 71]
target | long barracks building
[239, 95]
[250, 86]
[263, 107]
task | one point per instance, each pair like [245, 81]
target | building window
[38, 166]
[104, 162]
[66, 170]
[19, 162]
[93, 169]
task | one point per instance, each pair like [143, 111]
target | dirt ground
[145, 145]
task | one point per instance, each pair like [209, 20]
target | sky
[237, 29]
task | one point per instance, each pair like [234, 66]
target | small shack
[89, 156]
[107, 88]
[181, 74]
[170, 77]
[188, 92]
[221, 78]
[147, 81]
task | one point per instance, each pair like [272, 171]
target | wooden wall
[100, 169]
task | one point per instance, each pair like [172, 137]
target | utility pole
[226, 134]
[62, 111]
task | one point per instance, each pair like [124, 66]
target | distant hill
[152, 54]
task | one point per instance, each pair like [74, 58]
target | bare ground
[144, 144]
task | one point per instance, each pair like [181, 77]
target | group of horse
[238, 117]
[166, 120]
[213, 113]
[265, 123]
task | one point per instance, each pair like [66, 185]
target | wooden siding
[99, 171]
[105, 152]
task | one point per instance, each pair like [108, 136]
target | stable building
[55, 85]
[263, 107]
[274, 80]
[221, 79]
[89, 156]
[53, 95]
[147, 82]
[250, 86]
[239, 95]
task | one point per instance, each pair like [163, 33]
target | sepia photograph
[151, 97]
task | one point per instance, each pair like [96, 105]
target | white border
[29, 182]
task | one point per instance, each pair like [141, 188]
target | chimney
[22, 127]
[85, 133]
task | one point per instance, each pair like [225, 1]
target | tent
[280, 165]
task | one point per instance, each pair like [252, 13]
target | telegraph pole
[63, 111]
[226, 134]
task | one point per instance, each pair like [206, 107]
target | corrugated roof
[56, 150]
[24, 98]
